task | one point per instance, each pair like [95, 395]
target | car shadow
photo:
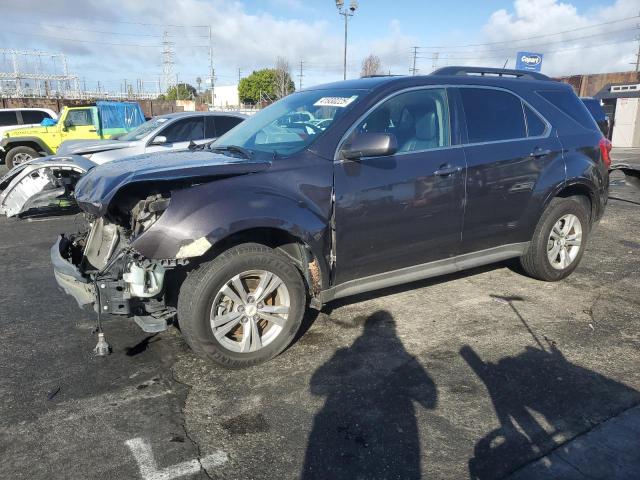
[367, 426]
[541, 400]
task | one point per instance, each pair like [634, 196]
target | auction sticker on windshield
[335, 101]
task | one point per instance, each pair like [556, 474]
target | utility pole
[434, 60]
[414, 70]
[300, 75]
[346, 13]
[239, 75]
[212, 73]
[638, 54]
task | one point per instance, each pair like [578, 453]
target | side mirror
[159, 140]
[68, 123]
[370, 145]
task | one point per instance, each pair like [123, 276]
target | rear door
[507, 148]
[180, 134]
[404, 209]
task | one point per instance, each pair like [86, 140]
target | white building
[226, 96]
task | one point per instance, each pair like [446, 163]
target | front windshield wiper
[233, 149]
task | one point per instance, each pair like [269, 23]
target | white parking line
[141, 450]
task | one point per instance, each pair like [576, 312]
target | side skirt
[425, 270]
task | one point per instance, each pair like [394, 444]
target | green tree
[261, 85]
[181, 91]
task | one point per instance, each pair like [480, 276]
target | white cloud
[590, 49]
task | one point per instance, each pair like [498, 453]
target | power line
[536, 36]
[98, 42]
[537, 45]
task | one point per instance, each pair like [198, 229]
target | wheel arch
[31, 142]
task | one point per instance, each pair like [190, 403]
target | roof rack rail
[482, 71]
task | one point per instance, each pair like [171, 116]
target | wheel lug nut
[261, 305]
[256, 317]
[250, 299]
[241, 308]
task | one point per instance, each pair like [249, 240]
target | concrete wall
[150, 108]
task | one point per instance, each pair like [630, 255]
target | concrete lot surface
[484, 374]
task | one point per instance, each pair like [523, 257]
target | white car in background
[11, 118]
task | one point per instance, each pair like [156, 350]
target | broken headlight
[146, 212]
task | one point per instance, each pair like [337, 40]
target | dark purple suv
[336, 190]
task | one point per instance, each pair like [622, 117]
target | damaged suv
[396, 179]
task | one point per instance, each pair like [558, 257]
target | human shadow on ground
[541, 400]
[367, 427]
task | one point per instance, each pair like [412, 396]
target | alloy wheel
[250, 311]
[565, 240]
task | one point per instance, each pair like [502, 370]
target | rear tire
[220, 293]
[559, 240]
[18, 155]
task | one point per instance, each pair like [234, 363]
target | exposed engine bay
[121, 280]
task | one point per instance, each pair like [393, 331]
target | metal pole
[211, 67]
[415, 53]
[345, 46]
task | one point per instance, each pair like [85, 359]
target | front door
[404, 209]
[79, 124]
[180, 134]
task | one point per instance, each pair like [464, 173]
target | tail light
[605, 151]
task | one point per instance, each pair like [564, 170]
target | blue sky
[107, 43]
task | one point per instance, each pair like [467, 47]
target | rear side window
[33, 116]
[569, 104]
[492, 115]
[535, 125]
[595, 109]
[185, 130]
[8, 118]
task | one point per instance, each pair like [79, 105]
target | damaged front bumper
[41, 184]
[68, 277]
[99, 269]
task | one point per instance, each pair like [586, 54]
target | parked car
[414, 177]
[48, 183]
[102, 120]
[595, 109]
[12, 118]
[163, 133]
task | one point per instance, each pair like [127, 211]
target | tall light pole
[346, 13]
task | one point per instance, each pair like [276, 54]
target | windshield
[144, 129]
[291, 124]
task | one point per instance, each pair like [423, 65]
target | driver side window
[79, 118]
[419, 119]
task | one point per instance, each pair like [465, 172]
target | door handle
[539, 152]
[447, 170]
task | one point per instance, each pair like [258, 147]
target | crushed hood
[95, 190]
[83, 147]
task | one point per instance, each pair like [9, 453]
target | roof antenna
[505, 63]
[102, 348]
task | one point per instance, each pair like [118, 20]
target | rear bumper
[68, 277]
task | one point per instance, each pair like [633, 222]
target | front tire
[242, 308]
[18, 155]
[558, 242]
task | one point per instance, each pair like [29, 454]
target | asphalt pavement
[485, 374]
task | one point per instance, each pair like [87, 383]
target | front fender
[204, 215]
[9, 142]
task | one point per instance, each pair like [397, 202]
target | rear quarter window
[569, 104]
[33, 116]
[492, 115]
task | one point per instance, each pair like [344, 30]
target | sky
[121, 39]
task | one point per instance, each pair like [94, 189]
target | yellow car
[103, 120]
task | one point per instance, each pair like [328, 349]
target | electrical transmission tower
[34, 82]
[168, 60]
